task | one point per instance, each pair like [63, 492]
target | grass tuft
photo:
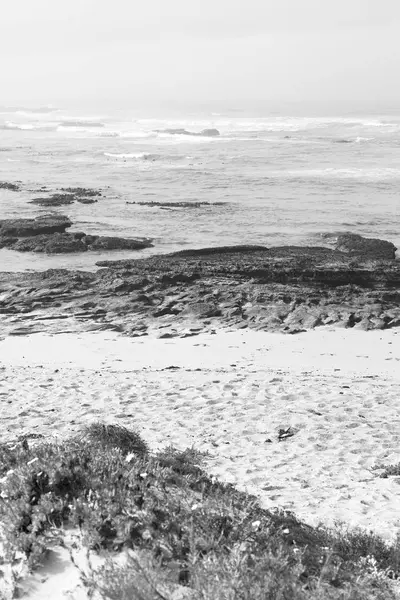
[115, 436]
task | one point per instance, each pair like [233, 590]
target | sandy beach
[335, 391]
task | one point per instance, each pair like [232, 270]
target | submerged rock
[54, 200]
[157, 204]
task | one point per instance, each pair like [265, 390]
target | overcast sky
[317, 54]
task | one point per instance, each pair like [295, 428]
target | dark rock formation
[12, 187]
[48, 234]
[60, 243]
[45, 224]
[210, 132]
[288, 289]
[203, 133]
[54, 200]
[86, 200]
[356, 244]
[219, 250]
[155, 204]
[70, 195]
[56, 243]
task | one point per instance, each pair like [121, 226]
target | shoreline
[229, 394]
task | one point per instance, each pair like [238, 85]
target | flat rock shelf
[287, 289]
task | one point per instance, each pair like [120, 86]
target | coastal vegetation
[182, 530]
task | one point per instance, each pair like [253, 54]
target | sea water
[281, 179]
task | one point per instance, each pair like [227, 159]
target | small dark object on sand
[284, 434]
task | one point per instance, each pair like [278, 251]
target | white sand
[339, 391]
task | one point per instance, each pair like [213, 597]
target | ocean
[281, 179]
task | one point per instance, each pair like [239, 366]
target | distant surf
[150, 156]
[285, 178]
[81, 123]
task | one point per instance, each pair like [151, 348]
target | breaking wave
[26, 111]
[373, 174]
[147, 156]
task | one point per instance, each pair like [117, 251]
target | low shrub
[207, 536]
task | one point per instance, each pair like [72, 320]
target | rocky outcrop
[54, 200]
[218, 251]
[48, 234]
[204, 133]
[115, 243]
[46, 224]
[56, 243]
[358, 245]
[210, 132]
[12, 187]
[62, 243]
[69, 196]
[286, 289]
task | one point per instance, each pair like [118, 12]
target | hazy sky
[342, 54]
